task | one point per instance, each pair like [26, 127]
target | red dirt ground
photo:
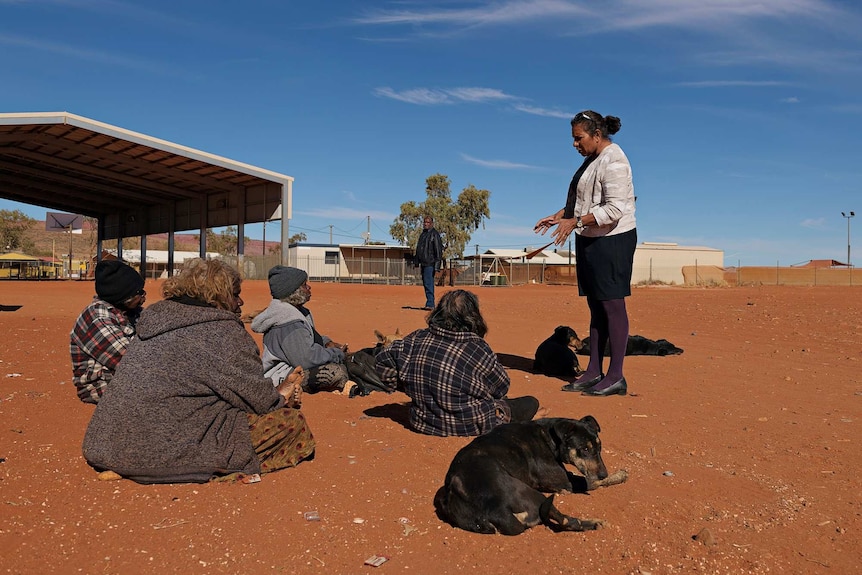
[753, 434]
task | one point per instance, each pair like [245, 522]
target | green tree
[92, 231]
[223, 242]
[295, 238]
[14, 225]
[456, 221]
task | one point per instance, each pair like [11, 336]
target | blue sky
[741, 119]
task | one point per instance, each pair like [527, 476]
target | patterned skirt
[281, 439]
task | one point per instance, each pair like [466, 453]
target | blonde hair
[210, 281]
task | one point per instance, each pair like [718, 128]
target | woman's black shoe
[618, 388]
[584, 385]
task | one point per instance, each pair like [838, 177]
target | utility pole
[477, 262]
[330, 234]
[70, 248]
[368, 230]
[848, 216]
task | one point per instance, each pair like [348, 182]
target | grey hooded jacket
[290, 340]
[176, 409]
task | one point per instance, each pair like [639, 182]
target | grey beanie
[284, 280]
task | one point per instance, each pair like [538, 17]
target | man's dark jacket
[429, 248]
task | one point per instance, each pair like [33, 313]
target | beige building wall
[664, 262]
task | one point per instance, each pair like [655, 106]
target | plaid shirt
[454, 379]
[98, 341]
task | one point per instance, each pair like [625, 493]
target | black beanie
[284, 280]
[117, 281]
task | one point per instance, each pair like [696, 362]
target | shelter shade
[134, 184]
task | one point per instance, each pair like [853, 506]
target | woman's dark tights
[609, 322]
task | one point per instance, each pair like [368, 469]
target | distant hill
[84, 244]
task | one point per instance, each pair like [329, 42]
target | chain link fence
[493, 271]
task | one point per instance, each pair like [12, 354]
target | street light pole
[848, 216]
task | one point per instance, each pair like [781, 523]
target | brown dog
[385, 340]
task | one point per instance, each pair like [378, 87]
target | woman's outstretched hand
[545, 224]
[563, 231]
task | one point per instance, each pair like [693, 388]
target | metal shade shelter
[136, 185]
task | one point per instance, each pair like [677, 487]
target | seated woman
[290, 339]
[189, 402]
[105, 328]
[455, 380]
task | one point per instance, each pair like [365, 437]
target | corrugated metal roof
[71, 163]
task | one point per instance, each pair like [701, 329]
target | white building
[352, 262]
[157, 260]
[653, 262]
[664, 262]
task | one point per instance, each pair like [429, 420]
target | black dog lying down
[361, 365]
[497, 482]
[638, 345]
[555, 355]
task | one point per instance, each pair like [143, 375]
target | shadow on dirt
[397, 412]
[516, 362]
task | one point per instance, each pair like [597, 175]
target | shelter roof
[67, 162]
[546, 256]
[820, 264]
[17, 257]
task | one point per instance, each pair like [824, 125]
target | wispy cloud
[732, 84]
[344, 213]
[783, 52]
[479, 94]
[711, 14]
[422, 96]
[98, 56]
[767, 32]
[498, 164]
[813, 223]
[847, 108]
[790, 100]
[537, 111]
[441, 96]
[613, 14]
[486, 13]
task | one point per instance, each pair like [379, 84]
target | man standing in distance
[429, 255]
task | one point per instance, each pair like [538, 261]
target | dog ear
[555, 435]
[560, 431]
[591, 423]
[380, 337]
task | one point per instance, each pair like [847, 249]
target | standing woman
[189, 401]
[600, 209]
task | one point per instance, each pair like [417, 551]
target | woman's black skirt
[604, 265]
